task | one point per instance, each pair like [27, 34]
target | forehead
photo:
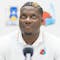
[29, 9]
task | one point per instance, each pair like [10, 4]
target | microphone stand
[28, 57]
[28, 52]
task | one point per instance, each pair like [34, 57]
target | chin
[28, 33]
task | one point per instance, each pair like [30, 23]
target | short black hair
[34, 4]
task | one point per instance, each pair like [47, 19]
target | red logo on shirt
[42, 52]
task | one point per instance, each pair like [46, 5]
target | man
[45, 46]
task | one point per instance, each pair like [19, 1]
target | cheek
[37, 24]
[20, 23]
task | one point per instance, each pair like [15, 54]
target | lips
[28, 27]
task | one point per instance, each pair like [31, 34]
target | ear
[42, 21]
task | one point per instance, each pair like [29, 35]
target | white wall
[4, 15]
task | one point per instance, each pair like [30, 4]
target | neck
[30, 38]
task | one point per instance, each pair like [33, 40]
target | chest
[40, 53]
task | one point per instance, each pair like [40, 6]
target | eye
[33, 16]
[23, 16]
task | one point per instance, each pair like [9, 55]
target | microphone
[28, 53]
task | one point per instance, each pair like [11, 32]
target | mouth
[27, 26]
[27, 29]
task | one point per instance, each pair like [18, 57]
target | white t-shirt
[46, 47]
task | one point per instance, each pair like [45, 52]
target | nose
[27, 18]
[28, 21]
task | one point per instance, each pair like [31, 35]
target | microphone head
[27, 50]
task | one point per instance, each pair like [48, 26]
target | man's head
[30, 17]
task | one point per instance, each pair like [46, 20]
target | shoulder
[52, 39]
[6, 42]
[52, 42]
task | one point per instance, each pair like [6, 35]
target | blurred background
[9, 15]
